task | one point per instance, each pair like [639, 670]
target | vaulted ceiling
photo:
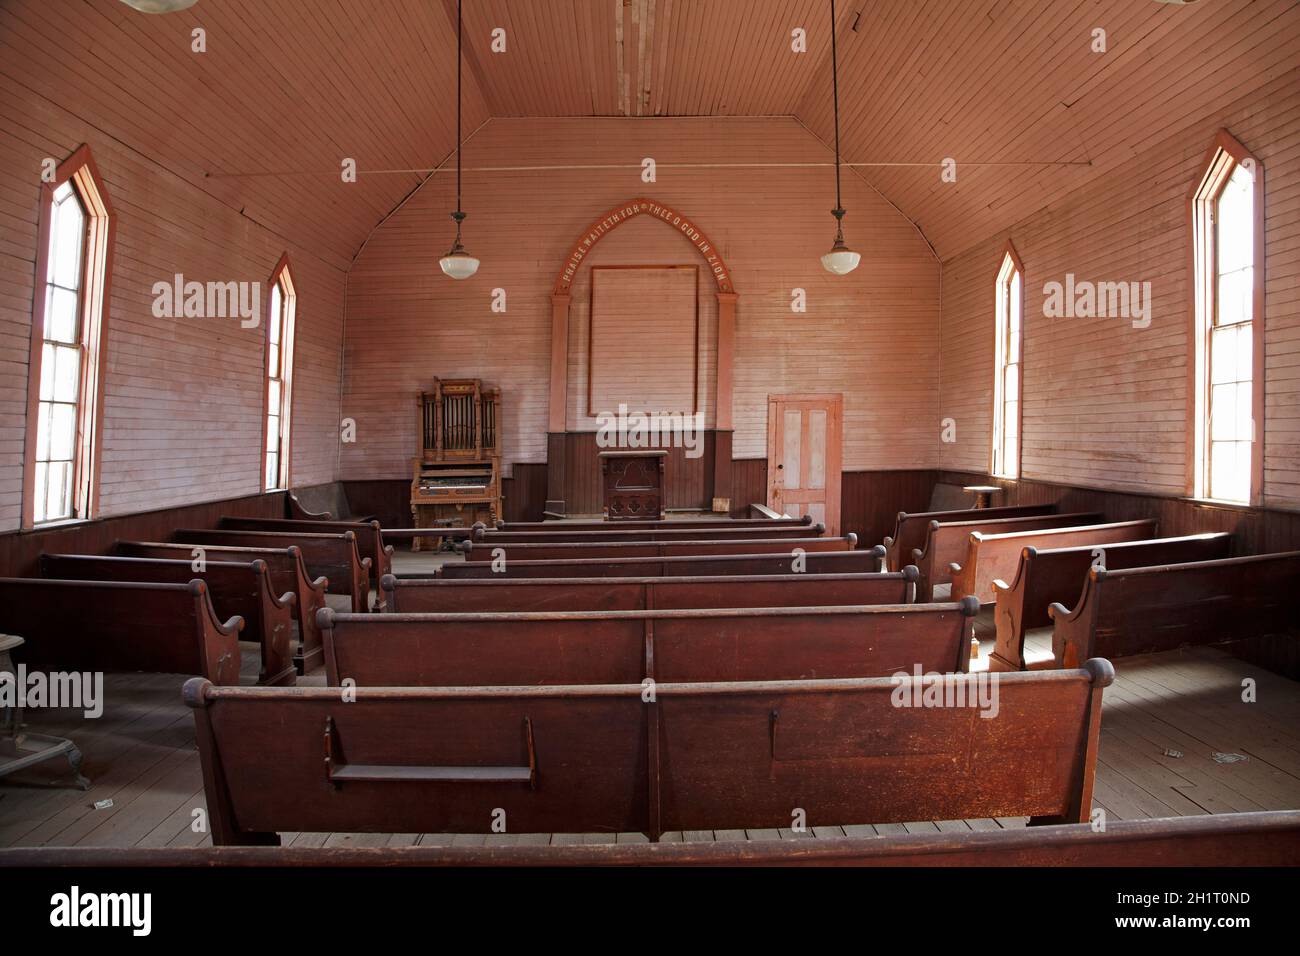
[1010, 89]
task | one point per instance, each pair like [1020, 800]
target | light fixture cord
[459, 212]
[835, 86]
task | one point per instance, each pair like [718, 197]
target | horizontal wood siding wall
[1105, 403]
[408, 323]
[20, 552]
[183, 397]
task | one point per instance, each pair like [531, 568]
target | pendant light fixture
[458, 263]
[159, 6]
[841, 259]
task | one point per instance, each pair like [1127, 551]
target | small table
[982, 493]
[18, 749]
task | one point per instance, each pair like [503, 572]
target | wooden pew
[613, 647]
[370, 537]
[991, 557]
[465, 595]
[815, 562]
[910, 529]
[1046, 576]
[1253, 838]
[1143, 610]
[332, 556]
[288, 573]
[488, 538]
[664, 523]
[609, 759]
[120, 626]
[632, 549]
[325, 502]
[946, 541]
[242, 589]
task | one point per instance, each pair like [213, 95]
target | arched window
[1008, 310]
[1226, 212]
[282, 301]
[65, 372]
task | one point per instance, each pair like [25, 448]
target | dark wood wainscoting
[20, 551]
[688, 481]
[1254, 530]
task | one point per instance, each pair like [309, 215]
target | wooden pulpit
[633, 484]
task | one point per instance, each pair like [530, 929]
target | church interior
[584, 433]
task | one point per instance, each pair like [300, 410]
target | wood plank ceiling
[293, 86]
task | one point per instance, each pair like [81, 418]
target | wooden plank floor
[1176, 740]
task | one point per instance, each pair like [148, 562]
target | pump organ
[456, 479]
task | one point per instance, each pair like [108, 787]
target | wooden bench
[992, 557]
[946, 541]
[664, 523]
[287, 571]
[612, 647]
[370, 537]
[242, 589]
[1253, 838]
[815, 562]
[465, 595]
[332, 556]
[1046, 576]
[120, 626]
[632, 549]
[610, 759]
[910, 529]
[325, 502]
[1144, 610]
[643, 535]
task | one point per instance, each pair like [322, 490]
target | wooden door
[804, 433]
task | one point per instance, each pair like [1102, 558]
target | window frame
[1002, 289]
[1224, 156]
[281, 277]
[96, 287]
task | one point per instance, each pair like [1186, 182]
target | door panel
[804, 455]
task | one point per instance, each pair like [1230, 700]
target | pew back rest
[642, 535]
[688, 645]
[370, 538]
[435, 760]
[561, 551]
[451, 595]
[120, 626]
[991, 557]
[1047, 575]
[655, 524]
[332, 556]
[910, 529]
[821, 562]
[235, 587]
[1149, 609]
[845, 751]
[946, 541]
[575, 758]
